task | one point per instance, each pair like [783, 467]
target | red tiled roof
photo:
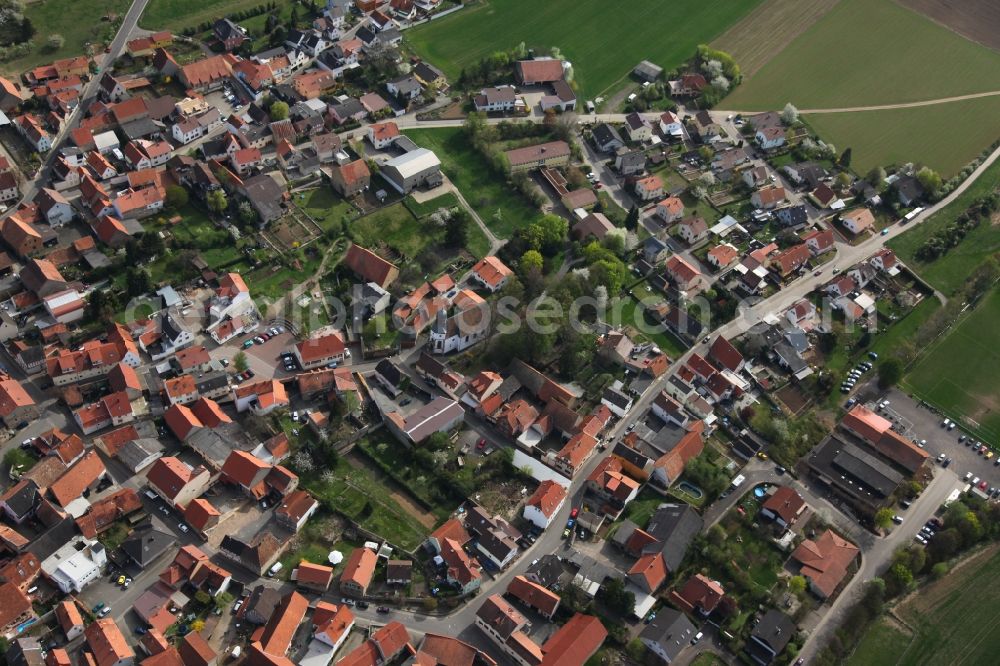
[77, 478]
[547, 497]
[534, 595]
[107, 643]
[825, 560]
[322, 347]
[575, 642]
[360, 567]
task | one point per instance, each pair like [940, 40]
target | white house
[770, 138]
[544, 503]
[670, 125]
[638, 128]
[495, 100]
[75, 565]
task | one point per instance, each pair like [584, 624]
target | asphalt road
[87, 96]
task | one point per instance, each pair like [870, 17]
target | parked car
[897, 519]
[382, 609]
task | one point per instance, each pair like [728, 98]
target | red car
[481, 444]
[575, 512]
[983, 485]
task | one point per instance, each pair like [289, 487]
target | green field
[944, 136]
[950, 271]
[486, 191]
[959, 373]
[356, 493]
[866, 52]
[603, 41]
[179, 14]
[954, 621]
[79, 23]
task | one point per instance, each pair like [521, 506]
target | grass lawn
[632, 317]
[446, 200]
[487, 192]
[273, 282]
[179, 14]
[953, 621]
[898, 136]
[356, 493]
[950, 271]
[866, 52]
[642, 508]
[78, 22]
[395, 226]
[665, 33]
[379, 332]
[958, 373]
[325, 207]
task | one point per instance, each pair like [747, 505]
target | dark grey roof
[211, 381]
[616, 398]
[25, 500]
[139, 128]
[407, 84]
[770, 637]
[429, 365]
[671, 630]
[365, 34]
[146, 546]
[909, 188]
[262, 601]
[388, 370]
[675, 526]
[867, 469]
[427, 71]
[265, 195]
[790, 357]
[546, 570]
[793, 215]
[604, 134]
[349, 107]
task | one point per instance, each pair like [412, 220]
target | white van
[274, 570]
[236, 652]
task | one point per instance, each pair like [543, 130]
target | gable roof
[548, 496]
[533, 594]
[369, 265]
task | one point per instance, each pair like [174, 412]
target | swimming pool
[690, 489]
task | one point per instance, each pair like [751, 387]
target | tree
[177, 196]
[198, 625]
[939, 570]
[247, 213]
[843, 180]
[797, 585]
[845, 158]
[99, 305]
[137, 282]
[222, 600]
[430, 604]
[929, 179]
[617, 598]
[456, 230]
[55, 42]
[531, 261]
[217, 201]
[876, 176]
[632, 219]
[789, 115]
[883, 518]
[890, 371]
[151, 244]
[240, 361]
[279, 111]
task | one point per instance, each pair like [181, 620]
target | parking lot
[925, 424]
